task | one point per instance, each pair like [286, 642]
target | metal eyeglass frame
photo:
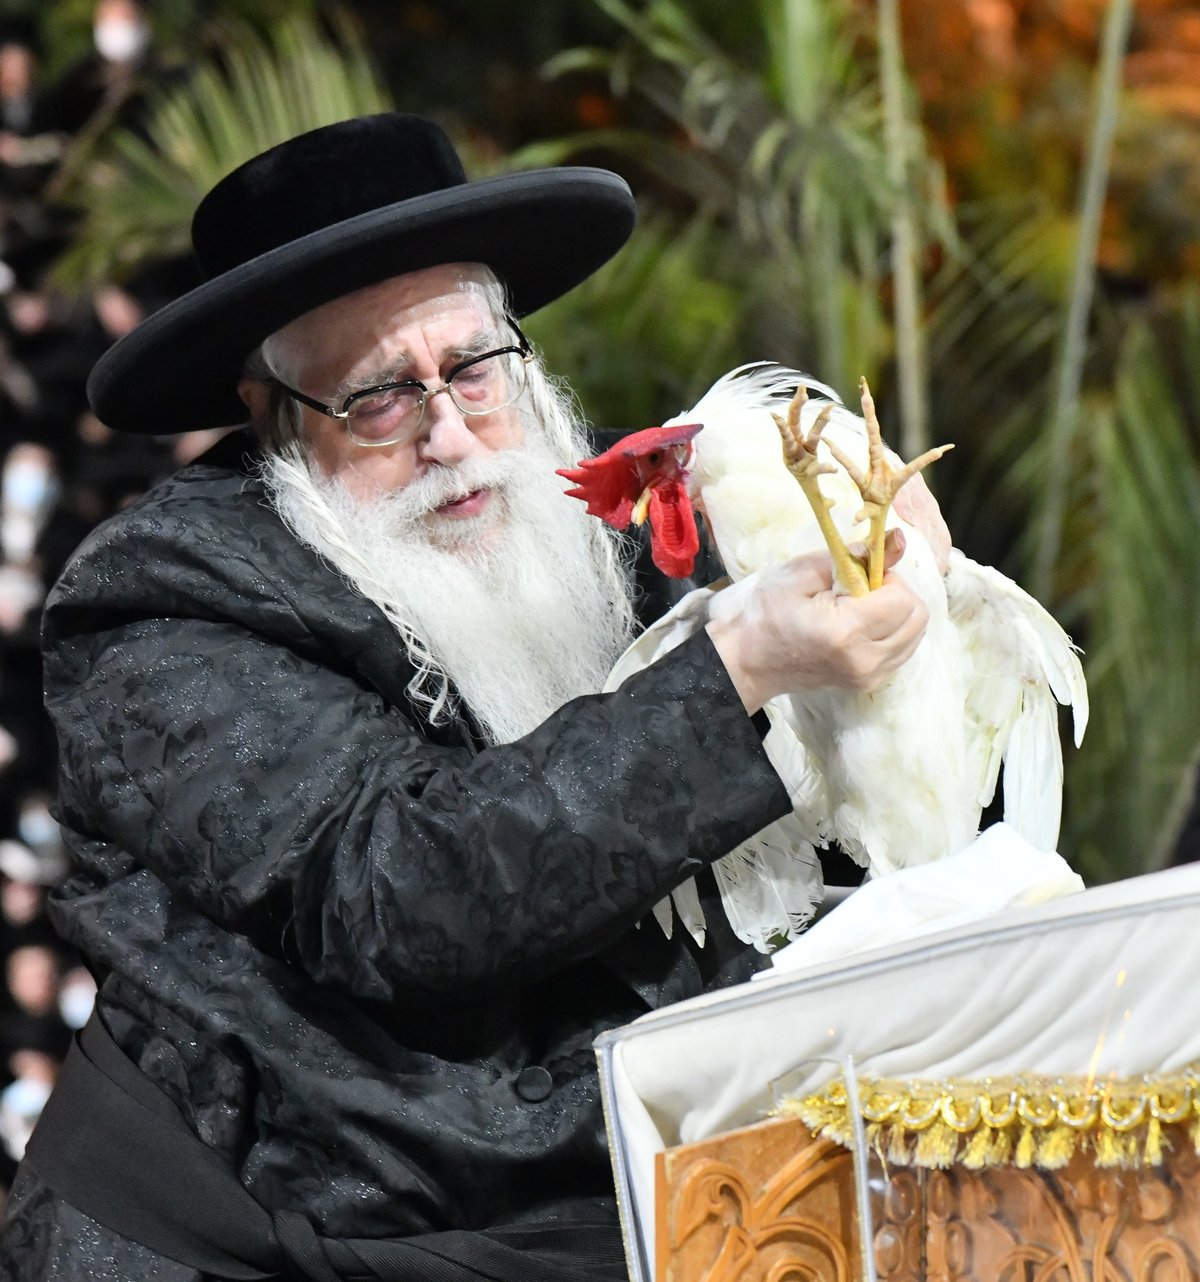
[346, 414]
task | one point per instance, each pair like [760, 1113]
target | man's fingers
[810, 573]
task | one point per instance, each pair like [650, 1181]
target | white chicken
[897, 777]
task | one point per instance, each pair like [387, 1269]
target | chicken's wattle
[674, 538]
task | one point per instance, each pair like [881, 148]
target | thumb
[893, 547]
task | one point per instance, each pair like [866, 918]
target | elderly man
[359, 852]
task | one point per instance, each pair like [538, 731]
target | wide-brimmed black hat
[330, 212]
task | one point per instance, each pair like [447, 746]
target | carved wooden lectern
[774, 1203]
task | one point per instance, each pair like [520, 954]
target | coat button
[534, 1084]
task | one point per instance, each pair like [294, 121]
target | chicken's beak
[641, 507]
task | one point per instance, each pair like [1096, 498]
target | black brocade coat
[366, 957]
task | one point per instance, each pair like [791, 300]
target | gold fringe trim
[1021, 1121]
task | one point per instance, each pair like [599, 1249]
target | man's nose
[447, 436]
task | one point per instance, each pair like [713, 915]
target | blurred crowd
[61, 473]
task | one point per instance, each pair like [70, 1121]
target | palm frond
[1074, 344]
[787, 154]
[1132, 782]
[644, 334]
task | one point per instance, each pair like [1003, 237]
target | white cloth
[1000, 869]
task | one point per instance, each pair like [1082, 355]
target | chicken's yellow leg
[880, 483]
[800, 456]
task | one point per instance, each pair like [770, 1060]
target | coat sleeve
[292, 804]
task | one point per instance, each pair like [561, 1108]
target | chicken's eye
[653, 458]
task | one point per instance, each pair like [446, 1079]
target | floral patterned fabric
[364, 956]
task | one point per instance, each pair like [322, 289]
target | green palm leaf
[1133, 781]
[786, 153]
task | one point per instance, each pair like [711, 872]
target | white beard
[521, 608]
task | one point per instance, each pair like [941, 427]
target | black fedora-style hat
[332, 211]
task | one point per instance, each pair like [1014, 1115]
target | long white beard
[520, 608]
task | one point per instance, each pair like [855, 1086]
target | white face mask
[75, 1002]
[37, 827]
[27, 485]
[21, 1104]
[119, 40]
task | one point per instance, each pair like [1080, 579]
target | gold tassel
[1104, 1145]
[815, 1112]
[936, 1146]
[1153, 1151]
[1002, 1146]
[897, 1149]
[1114, 1148]
[1130, 1150]
[979, 1149]
[823, 1117]
[1056, 1147]
[1026, 1147]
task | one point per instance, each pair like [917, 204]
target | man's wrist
[727, 639]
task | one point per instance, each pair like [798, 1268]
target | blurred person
[76, 997]
[21, 596]
[109, 82]
[359, 852]
[18, 391]
[31, 975]
[30, 148]
[24, 877]
[22, 1100]
[37, 1007]
[18, 78]
[40, 832]
[117, 310]
[21, 901]
[121, 30]
[27, 150]
[56, 341]
[28, 490]
[30, 1014]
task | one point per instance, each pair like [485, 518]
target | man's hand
[790, 631]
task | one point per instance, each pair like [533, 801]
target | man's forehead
[449, 304]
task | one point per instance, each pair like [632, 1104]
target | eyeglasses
[393, 412]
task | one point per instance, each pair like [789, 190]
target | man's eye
[394, 401]
[476, 375]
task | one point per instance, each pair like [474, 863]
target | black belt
[111, 1144]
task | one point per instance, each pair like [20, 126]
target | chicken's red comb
[649, 439]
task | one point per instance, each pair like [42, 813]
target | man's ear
[256, 396]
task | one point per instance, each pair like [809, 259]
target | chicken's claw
[800, 457]
[880, 483]
[800, 451]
